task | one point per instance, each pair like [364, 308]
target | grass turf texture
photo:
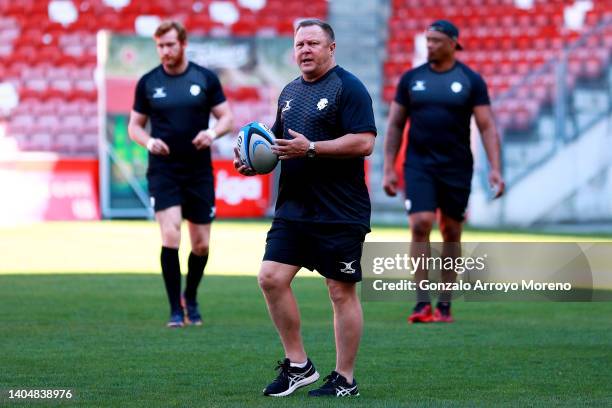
[103, 335]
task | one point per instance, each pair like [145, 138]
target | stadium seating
[505, 44]
[52, 65]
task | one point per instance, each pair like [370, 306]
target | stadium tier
[52, 65]
[504, 43]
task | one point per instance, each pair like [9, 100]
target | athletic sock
[422, 295]
[445, 296]
[299, 365]
[171, 271]
[195, 271]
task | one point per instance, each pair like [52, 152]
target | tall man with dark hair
[324, 128]
[178, 97]
[440, 98]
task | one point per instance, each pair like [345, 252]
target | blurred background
[81, 301]
[68, 70]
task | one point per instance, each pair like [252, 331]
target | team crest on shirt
[456, 87]
[287, 106]
[419, 86]
[195, 90]
[160, 93]
[322, 103]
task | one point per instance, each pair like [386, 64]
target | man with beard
[178, 97]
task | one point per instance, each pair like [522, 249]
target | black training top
[324, 190]
[179, 107]
[440, 105]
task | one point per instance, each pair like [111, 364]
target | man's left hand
[497, 183]
[290, 149]
[204, 139]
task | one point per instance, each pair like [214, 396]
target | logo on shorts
[152, 199]
[456, 87]
[159, 93]
[287, 106]
[213, 212]
[195, 90]
[348, 267]
[322, 103]
[419, 86]
[408, 204]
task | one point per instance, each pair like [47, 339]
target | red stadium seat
[65, 142]
[40, 141]
[87, 143]
[593, 68]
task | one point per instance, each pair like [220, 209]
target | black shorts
[194, 192]
[334, 250]
[428, 190]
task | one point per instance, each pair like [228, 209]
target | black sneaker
[192, 313]
[176, 320]
[291, 378]
[335, 386]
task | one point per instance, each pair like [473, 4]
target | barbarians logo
[195, 89]
[322, 103]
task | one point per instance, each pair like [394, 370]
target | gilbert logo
[159, 93]
[348, 267]
[287, 106]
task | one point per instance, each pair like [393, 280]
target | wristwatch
[311, 152]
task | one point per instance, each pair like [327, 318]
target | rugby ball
[254, 145]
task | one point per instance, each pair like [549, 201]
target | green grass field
[82, 307]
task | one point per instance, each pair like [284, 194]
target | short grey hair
[320, 23]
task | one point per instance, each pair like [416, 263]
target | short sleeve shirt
[324, 190]
[179, 107]
[440, 105]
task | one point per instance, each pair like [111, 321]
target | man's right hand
[390, 182]
[157, 146]
[242, 168]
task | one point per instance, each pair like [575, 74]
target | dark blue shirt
[179, 107]
[324, 190]
[440, 105]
